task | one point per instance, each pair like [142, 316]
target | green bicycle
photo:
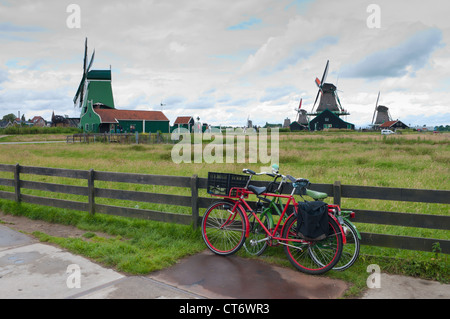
[255, 245]
[266, 209]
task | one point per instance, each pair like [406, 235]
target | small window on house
[327, 119]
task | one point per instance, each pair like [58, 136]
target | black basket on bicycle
[225, 184]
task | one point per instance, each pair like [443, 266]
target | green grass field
[410, 160]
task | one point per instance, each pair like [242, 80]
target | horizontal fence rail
[121, 138]
[193, 202]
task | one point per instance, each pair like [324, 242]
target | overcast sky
[225, 61]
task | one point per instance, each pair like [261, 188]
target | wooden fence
[121, 138]
[194, 202]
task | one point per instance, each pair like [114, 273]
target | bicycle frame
[244, 206]
[274, 205]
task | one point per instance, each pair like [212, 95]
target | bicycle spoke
[313, 257]
[351, 249]
[223, 230]
[256, 242]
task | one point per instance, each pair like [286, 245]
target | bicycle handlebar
[301, 181]
[248, 171]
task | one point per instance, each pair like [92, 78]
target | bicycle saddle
[257, 190]
[316, 195]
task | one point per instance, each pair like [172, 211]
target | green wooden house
[184, 122]
[102, 119]
[328, 119]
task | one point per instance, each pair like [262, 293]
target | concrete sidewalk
[32, 270]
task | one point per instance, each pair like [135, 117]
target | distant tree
[9, 117]
[442, 128]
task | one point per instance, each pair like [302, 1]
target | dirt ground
[28, 226]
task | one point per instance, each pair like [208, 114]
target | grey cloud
[275, 93]
[394, 62]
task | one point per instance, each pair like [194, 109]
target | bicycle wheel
[304, 255]
[255, 243]
[223, 230]
[350, 250]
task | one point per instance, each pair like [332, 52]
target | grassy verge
[138, 247]
[135, 246]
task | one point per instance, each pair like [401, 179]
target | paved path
[32, 270]
[29, 269]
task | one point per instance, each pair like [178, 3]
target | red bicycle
[225, 224]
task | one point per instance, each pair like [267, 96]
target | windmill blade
[319, 85]
[337, 98]
[85, 56]
[376, 105]
[80, 89]
[80, 92]
[325, 73]
[298, 110]
[315, 101]
[91, 62]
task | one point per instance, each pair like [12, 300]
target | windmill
[81, 92]
[329, 98]
[95, 86]
[301, 114]
[382, 114]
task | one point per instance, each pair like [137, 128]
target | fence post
[17, 182]
[91, 192]
[337, 190]
[194, 200]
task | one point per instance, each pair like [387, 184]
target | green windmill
[95, 87]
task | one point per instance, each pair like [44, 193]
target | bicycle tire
[256, 233]
[223, 230]
[351, 249]
[300, 254]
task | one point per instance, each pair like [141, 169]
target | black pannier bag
[312, 220]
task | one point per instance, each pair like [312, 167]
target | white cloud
[224, 61]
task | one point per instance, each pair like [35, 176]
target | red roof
[36, 119]
[388, 123]
[183, 120]
[113, 115]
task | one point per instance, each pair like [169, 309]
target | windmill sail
[94, 86]
[376, 105]
[381, 114]
[301, 114]
[79, 96]
[329, 98]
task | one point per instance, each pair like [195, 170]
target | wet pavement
[31, 270]
[234, 277]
